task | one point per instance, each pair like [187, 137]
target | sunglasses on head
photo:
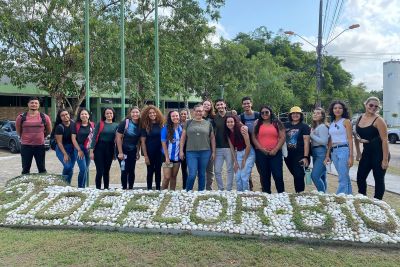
[373, 106]
[266, 112]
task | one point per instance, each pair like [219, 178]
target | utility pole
[156, 56]
[319, 57]
[122, 40]
[87, 66]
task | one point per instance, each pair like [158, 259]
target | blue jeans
[222, 154]
[69, 165]
[318, 174]
[340, 156]
[197, 163]
[243, 175]
[83, 166]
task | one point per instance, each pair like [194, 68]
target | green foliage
[222, 215]
[298, 218]
[389, 226]
[258, 210]
[41, 214]
[99, 203]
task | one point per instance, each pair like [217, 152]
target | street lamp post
[156, 55]
[319, 48]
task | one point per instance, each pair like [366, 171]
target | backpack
[243, 119]
[53, 141]
[42, 116]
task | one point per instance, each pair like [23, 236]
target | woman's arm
[247, 150]
[165, 149]
[182, 144]
[235, 163]
[213, 145]
[119, 137]
[281, 141]
[61, 146]
[349, 133]
[328, 151]
[382, 129]
[306, 155]
[144, 149]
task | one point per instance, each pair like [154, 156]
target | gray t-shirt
[198, 135]
[320, 135]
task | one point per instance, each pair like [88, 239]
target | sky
[363, 50]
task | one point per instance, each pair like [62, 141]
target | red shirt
[32, 129]
[268, 136]
[238, 143]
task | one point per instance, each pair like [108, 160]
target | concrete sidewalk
[392, 182]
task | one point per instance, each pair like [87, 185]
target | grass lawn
[92, 248]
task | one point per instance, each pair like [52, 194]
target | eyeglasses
[373, 106]
[265, 112]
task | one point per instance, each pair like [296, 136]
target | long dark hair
[103, 117]
[237, 134]
[58, 119]
[272, 118]
[170, 126]
[345, 115]
[78, 116]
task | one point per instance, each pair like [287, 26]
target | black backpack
[42, 116]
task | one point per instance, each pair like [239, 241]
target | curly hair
[170, 126]
[145, 122]
[345, 114]
[272, 118]
[237, 134]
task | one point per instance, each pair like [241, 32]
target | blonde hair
[373, 98]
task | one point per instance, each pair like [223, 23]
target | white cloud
[220, 31]
[364, 49]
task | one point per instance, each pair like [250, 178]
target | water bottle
[123, 165]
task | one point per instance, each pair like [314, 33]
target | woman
[184, 115]
[371, 131]
[340, 145]
[200, 146]
[82, 135]
[268, 138]
[102, 147]
[298, 145]
[151, 123]
[170, 140]
[64, 149]
[209, 114]
[319, 140]
[242, 152]
[128, 137]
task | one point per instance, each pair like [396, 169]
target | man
[248, 117]
[32, 127]
[222, 147]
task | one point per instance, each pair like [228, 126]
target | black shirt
[294, 136]
[83, 133]
[65, 132]
[131, 135]
[153, 138]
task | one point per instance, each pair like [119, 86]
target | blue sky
[246, 15]
[362, 50]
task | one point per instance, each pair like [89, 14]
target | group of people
[200, 146]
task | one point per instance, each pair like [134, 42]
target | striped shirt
[173, 146]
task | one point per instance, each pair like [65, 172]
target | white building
[391, 92]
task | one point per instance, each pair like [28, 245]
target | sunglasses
[265, 112]
[336, 126]
[373, 106]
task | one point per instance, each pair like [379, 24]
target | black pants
[293, 164]
[103, 157]
[371, 159]
[267, 165]
[29, 152]
[128, 175]
[154, 168]
[184, 173]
